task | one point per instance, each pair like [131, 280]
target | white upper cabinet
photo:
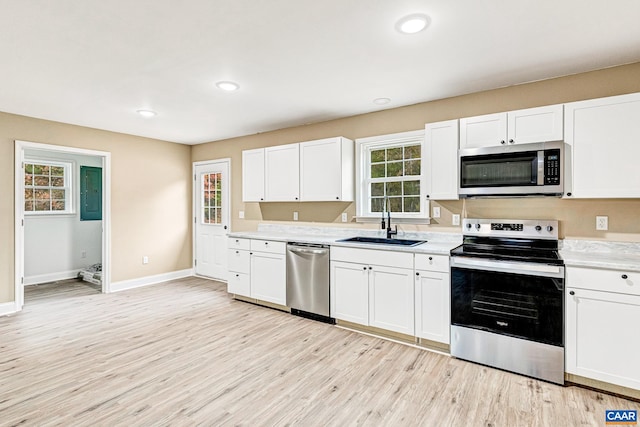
[514, 127]
[535, 125]
[603, 135]
[441, 141]
[282, 173]
[326, 170]
[253, 175]
[483, 131]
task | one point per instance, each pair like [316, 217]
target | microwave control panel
[552, 167]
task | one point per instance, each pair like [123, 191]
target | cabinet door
[239, 284]
[432, 306]
[601, 336]
[391, 301]
[603, 135]
[535, 125]
[326, 170]
[483, 131]
[282, 172]
[350, 292]
[442, 150]
[268, 277]
[253, 175]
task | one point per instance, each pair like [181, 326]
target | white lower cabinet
[432, 306]
[257, 269]
[391, 299]
[432, 303]
[602, 316]
[373, 288]
[350, 292]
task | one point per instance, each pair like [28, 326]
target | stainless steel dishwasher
[308, 281]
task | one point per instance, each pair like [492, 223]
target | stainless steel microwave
[512, 170]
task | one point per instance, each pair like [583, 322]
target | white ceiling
[95, 62]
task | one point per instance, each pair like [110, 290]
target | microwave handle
[541, 167]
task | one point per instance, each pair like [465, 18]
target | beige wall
[150, 199]
[577, 216]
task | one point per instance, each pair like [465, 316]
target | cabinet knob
[568, 194]
[427, 196]
[337, 198]
[571, 293]
[237, 275]
[237, 252]
[625, 277]
[296, 198]
[364, 268]
[261, 198]
[370, 268]
[237, 241]
[511, 141]
[417, 274]
[430, 258]
[503, 142]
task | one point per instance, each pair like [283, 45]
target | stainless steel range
[507, 297]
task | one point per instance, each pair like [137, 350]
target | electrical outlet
[344, 217]
[602, 223]
[83, 254]
[241, 214]
[436, 211]
[295, 216]
[455, 219]
[145, 260]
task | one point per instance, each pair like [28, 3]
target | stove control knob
[549, 228]
[538, 228]
[469, 225]
[477, 226]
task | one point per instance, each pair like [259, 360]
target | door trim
[20, 146]
[194, 194]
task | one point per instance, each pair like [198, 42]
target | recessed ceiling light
[412, 24]
[228, 86]
[381, 101]
[146, 113]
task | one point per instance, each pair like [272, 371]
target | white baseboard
[123, 285]
[51, 277]
[8, 308]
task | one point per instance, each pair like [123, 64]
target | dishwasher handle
[304, 250]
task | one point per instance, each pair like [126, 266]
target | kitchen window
[390, 176]
[47, 187]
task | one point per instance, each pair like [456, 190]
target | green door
[90, 193]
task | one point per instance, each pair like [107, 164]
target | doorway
[211, 207]
[53, 207]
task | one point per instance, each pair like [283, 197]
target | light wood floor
[184, 353]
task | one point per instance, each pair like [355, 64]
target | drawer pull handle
[571, 293]
[625, 277]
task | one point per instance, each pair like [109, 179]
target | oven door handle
[525, 268]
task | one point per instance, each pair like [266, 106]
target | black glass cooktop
[521, 250]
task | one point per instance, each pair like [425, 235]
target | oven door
[523, 300]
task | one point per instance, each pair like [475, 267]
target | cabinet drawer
[239, 283]
[604, 280]
[235, 243]
[432, 262]
[372, 256]
[239, 261]
[268, 246]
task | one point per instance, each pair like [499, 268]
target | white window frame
[68, 185]
[363, 148]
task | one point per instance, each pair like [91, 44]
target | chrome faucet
[390, 232]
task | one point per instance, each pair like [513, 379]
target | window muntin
[211, 198]
[390, 176]
[394, 178]
[47, 187]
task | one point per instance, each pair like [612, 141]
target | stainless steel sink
[383, 241]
